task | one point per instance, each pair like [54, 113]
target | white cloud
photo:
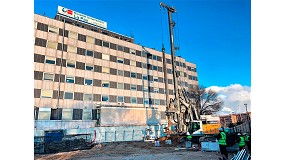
[234, 97]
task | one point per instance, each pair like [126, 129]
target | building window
[69, 79]
[133, 87]
[134, 100]
[46, 93]
[66, 114]
[120, 85]
[113, 71]
[72, 35]
[96, 114]
[48, 76]
[132, 51]
[144, 77]
[120, 48]
[87, 114]
[113, 46]
[144, 54]
[77, 114]
[120, 73]
[70, 63]
[155, 79]
[168, 61]
[90, 39]
[146, 101]
[105, 84]
[68, 95]
[61, 32]
[144, 65]
[80, 65]
[120, 60]
[154, 68]
[106, 44]
[188, 68]
[154, 57]
[89, 67]
[44, 113]
[169, 71]
[52, 45]
[106, 56]
[89, 53]
[105, 70]
[53, 29]
[56, 114]
[40, 42]
[88, 82]
[190, 77]
[133, 75]
[81, 37]
[132, 63]
[155, 90]
[105, 98]
[98, 42]
[156, 101]
[87, 97]
[50, 60]
[120, 98]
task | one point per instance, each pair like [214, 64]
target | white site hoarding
[81, 17]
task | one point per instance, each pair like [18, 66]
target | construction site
[140, 109]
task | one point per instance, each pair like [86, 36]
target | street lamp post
[247, 118]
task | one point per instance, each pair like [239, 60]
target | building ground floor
[112, 124]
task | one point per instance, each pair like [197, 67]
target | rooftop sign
[81, 17]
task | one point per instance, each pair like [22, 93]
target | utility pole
[176, 100]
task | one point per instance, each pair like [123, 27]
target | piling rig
[180, 111]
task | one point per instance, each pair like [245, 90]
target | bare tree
[206, 101]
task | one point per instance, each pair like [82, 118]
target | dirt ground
[133, 151]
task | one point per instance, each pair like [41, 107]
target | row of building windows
[111, 58]
[92, 40]
[95, 82]
[95, 97]
[70, 34]
[99, 83]
[100, 69]
[66, 114]
[71, 114]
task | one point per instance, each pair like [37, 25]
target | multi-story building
[105, 82]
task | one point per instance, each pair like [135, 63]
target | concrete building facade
[105, 82]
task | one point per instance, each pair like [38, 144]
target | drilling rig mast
[179, 111]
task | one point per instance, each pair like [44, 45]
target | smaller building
[226, 120]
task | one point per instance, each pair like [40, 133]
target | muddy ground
[133, 151]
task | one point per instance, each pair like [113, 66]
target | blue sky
[213, 34]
